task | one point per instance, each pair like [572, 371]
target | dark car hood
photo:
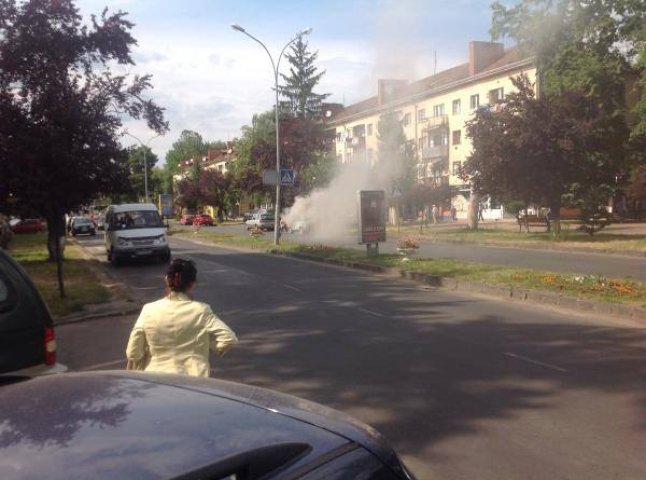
[112, 425]
[122, 424]
[289, 405]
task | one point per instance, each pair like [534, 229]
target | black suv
[27, 341]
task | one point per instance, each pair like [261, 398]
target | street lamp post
[144, 147]
[275, 67]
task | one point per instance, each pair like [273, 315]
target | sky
[212, 79]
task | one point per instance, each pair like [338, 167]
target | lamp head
[306, 31]
[237, 27]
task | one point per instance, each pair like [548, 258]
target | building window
[339, 136]
[457, 107]
[456, 168]
[457, 134]
[474, 102]
[495, 95]
[421, 115]
[369, 129]
[438, 110]
[406, 120]
[421, 142]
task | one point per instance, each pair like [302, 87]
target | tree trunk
[56, 246]
[473, 210]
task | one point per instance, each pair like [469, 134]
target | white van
[135, 230]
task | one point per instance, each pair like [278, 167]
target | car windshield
[136, 219]
[82, 221]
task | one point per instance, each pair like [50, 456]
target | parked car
[27, 339]
[249, 215]
[82, 225]
[203, 219]
[186, 219]
[28, 225]
[263, 221]
[120, 424]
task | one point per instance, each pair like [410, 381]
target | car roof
[129, 207]
[138, 425]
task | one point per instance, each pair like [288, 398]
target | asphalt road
[609, 265]
[464, 387]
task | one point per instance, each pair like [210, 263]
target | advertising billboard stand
[371, 206]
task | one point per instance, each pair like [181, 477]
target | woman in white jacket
[176, 333]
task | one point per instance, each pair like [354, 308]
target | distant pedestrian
[435, 213]
[454, 214]
[427, 215]
[175, 334]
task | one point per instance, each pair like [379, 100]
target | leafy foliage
[61, 106]
[136, 177]
[301, 81]
[538, 149]
[592, 47]
[396, 156]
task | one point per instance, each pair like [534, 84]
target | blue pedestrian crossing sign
[286, 177]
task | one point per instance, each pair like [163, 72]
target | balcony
[440, 151]
[358, 142]
[432, 123]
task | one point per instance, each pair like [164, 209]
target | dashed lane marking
[535, 362]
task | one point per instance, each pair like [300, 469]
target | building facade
[433, 112]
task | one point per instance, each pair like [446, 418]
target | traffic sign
[286, 177]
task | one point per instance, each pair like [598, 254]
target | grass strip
[508, 237]
[81, 284]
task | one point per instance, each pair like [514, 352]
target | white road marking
[535, 362]
[292, 288]
[370, 312]
[98, 366]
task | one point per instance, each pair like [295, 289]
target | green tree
[213, 188]
[189, 145]
[595, 48]
[304, 148]
[62, 108]
[302, 80]
[396, 158]
[136, 177]
[537, 149]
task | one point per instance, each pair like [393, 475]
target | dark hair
[180, 274]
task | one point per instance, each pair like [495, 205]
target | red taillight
[50, 346]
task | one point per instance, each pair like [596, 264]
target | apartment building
[433, 112]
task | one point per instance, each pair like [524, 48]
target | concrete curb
[112, 311]
[580, 305]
